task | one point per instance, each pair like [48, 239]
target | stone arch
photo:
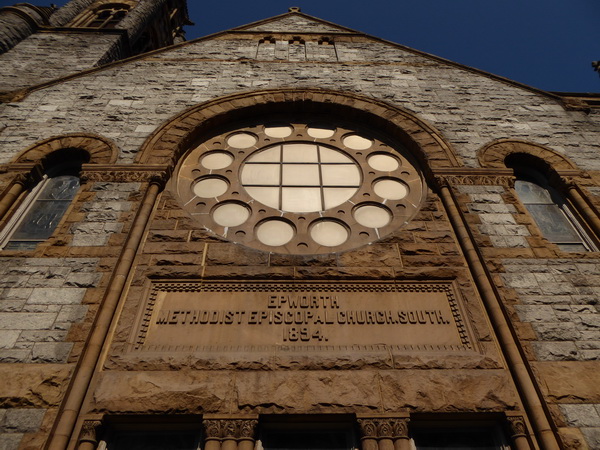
[100, 150]
[494, 155]
[167, 144]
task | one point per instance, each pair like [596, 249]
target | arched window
[43, 208]
[106, 16]
[550, 211]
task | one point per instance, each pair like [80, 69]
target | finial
[294, 9]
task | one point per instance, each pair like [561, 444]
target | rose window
[300, 187]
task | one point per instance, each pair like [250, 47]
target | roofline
[293, 13]
[18, 95]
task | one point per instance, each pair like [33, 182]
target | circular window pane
[210, 187]
[216, 160]
[274, 232]
[372, 216]
[356, 142]
[383, 162]
[320, 133]
[391, 189]
[241, 140]
[278, 132]
[300, 177]
[329, 233]
[230, 214]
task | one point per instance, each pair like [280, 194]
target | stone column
[17, 188]
[518, 432]
[88, 437]
[517, 364]
[384, 433]
[212, 434]
[368, 431]
[581, 204]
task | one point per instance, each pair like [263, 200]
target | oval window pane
[216, 160]
[210, 187]
[241, 140]
[383, 163]
[230, 214]
[329, 233]
[320, 133]
[372, 216]
[278, 132]
[390, 189]
[356, 142]
[274, 232]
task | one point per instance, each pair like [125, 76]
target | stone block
[592, 437]
[23, 420]
[42, 336]
[8, 338]
[26, 321]
[536, 313]
[57, 296]
[560, 331]
[556, 351]
[72, 313]
[51, 352]
[10, 441]
[581, 415]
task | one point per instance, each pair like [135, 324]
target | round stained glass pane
[320, 133]
[356, 142]
[329, 233]
[241, 140]
[372, 216]
[383, 162]
[210, 187]
[216, 160]
[390, 189]
[278, 132]
[230, 214]
[274, 232]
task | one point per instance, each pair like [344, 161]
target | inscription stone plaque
[215, 316]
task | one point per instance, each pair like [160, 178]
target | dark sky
[548, 44]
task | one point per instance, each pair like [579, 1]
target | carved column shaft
[582, 206]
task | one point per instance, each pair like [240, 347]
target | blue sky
[548, 44]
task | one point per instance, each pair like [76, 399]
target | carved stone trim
[89, 431]
[124, 176]
[239, 429]
[383, 428]
[517, 425]
[475, 180]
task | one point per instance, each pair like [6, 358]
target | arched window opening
[44, 207]
[549, 209]
[107, 16]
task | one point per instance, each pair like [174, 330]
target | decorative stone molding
[495, 154]
[475, 180]
[100, 149]
[517, 426]
[168, 143]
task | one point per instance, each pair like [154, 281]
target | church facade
[287, 235]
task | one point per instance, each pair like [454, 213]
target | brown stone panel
[447, 390]
[34, 385]
[150, 392]
[569, 381]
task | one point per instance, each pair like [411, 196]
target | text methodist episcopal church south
[288, 235]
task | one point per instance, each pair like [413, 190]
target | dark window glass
[154, 440]
[457, 439]
[307, 436]
[44, 214]
[108, 16]
[551, 214]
